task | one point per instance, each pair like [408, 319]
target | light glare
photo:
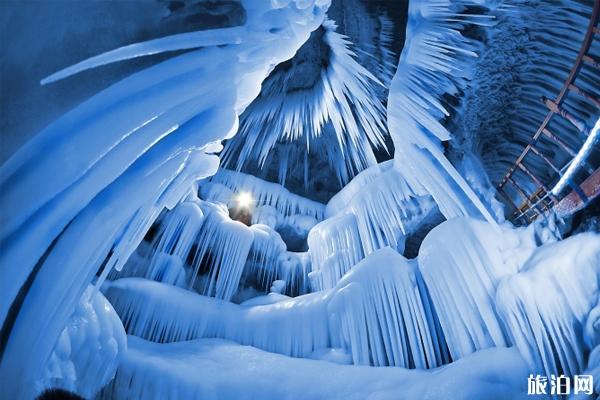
[244, 200]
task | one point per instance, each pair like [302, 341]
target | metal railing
[541, 199]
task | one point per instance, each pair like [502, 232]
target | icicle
[294, 270]
[265, 193]
[462, 262]
[341, 108]
[223, 248]
[264, 255]
[375, 210]
[355, 315]
[545, 306]
[383, 315]
[335, 247]
[174, 242]
[436, 60]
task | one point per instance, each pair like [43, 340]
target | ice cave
[300, 199]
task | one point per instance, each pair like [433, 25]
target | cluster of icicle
[471, 288]
[376, 209]
[340, 116]
[85, 190]
[263, 193]
[379, 314]
[436, 61]
[521, 288]
[197, 245]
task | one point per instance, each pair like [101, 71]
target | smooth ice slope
[219, 369]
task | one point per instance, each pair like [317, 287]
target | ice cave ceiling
[505, 76]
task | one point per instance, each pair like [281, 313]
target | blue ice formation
[132, 269]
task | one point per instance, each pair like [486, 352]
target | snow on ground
[220, 369]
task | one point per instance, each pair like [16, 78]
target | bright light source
[244, 200]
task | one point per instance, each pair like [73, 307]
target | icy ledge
[379, 314]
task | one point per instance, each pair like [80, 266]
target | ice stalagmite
[545, 307]
[382, 314]
[151, 127]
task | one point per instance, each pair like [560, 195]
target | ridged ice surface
[517, 65]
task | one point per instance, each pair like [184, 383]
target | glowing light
[590, 143]
[244, 200]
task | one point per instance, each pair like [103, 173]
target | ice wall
[263, 193]
[380, 313]
[164, 313]
[197, 245]
[124, 155]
